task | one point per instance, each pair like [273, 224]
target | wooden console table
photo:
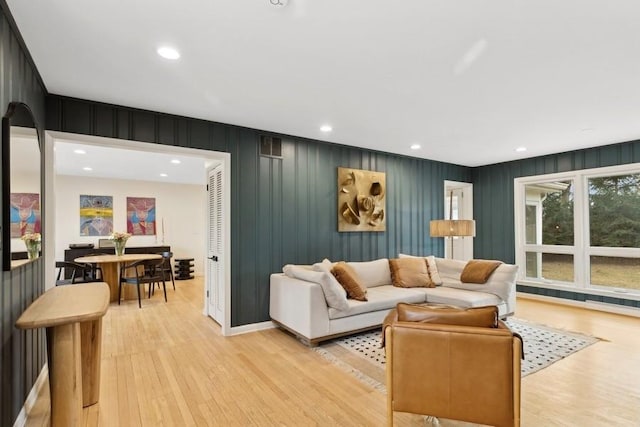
[73, 317]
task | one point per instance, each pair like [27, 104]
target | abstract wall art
[96, 215]
[361, 200]
[25, 214]
[141, 216]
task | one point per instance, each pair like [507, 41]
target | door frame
[49, 200]
[467, 209]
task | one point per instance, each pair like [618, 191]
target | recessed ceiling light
[521, 149]
[164, 175]
[176, 161]
[168, 52]
[87, 168]
[78, 151]
[326, 128]
[416, 146]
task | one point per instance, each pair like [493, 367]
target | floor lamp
[452, 227]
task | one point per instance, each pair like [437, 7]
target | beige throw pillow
[372, 273]
[410, 273]
[431, 266]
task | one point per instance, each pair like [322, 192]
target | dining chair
[70, 273]
[77, 272]
[95, 273]
[141, 272]
[166, 270]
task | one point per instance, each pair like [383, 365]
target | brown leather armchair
[467, 371]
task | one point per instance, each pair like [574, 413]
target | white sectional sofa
[305, 300]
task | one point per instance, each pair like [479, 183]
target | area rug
[361, 355]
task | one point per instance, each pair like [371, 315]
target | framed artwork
[24, 214]
[141, 216]
[96, 215]
[361, 200]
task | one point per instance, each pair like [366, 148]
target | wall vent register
[270, 146]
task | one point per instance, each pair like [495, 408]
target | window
[580, 229]
[548, 226]
[614, 211]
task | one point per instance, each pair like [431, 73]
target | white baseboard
[30, 401]
[591, 305]
[253, 327]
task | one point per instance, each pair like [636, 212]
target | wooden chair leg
[138, 288]
[164, 288]
[119, 292]
[172, 280]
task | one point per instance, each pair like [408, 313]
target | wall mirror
[21, 191]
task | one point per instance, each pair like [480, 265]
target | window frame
[581, 248]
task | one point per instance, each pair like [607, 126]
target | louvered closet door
[215, 245]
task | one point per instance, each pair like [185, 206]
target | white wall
[181, 206]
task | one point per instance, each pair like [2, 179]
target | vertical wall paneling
[22, 353]
[284, 210]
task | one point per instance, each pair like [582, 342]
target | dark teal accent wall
[22, 353]
[282, 210]
[493, 191]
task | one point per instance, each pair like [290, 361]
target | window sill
[613, 293]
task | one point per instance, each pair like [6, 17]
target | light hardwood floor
[168, 365]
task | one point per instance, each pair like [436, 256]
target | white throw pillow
[433, 268]
[325, 265]
[287, 269]
[450, 269]
[334, 293]
[372, 273]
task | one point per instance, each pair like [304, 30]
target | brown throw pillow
[486, 317]
[350, 281]
[478, 271]
[410, 273]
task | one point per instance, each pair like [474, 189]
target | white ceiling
[469, 80]
[128, 164]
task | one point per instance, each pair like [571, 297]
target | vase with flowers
[119, 241]
[32, 242]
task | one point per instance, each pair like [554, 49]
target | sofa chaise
[308, 302]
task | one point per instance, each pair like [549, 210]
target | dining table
[111, 265]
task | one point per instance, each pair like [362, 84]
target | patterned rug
[362, 356]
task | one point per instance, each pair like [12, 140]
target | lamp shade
[452, 227]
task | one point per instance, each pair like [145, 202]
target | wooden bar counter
[72, 315]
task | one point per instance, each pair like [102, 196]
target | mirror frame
[6, 177]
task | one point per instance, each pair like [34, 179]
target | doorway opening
[175, 177]
[458, 204]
